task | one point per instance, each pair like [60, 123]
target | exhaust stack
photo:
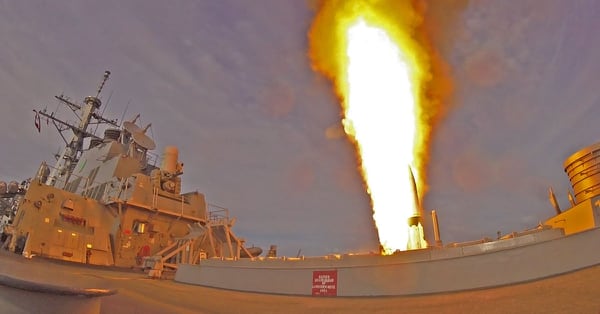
[436, 229]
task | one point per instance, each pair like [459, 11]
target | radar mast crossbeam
[73, 148]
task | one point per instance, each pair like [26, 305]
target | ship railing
[116, 190]
[150, 160]
[218, 215]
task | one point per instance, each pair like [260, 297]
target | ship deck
[573, 293]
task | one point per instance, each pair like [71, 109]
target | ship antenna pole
[70, 155]
[104, 109]
[106, 75]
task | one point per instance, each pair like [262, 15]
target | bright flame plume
[382, 74]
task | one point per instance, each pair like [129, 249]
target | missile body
[416, 235]
[415, 219]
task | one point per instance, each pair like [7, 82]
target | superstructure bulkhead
[108, 203]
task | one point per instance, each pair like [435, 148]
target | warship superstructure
[108, 200]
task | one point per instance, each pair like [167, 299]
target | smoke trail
[416, 26]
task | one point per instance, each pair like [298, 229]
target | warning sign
[324, 283]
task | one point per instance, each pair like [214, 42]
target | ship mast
[70, 155]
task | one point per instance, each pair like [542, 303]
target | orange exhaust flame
[374, 53]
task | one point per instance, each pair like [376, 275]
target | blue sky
[230, 84]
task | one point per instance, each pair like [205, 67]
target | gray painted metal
[40, 297]
[523, 258]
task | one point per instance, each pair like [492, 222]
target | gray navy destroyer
[107, 201]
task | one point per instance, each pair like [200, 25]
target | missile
[415, 219]
[416, 236]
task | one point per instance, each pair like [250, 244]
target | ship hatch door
[65, 243]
